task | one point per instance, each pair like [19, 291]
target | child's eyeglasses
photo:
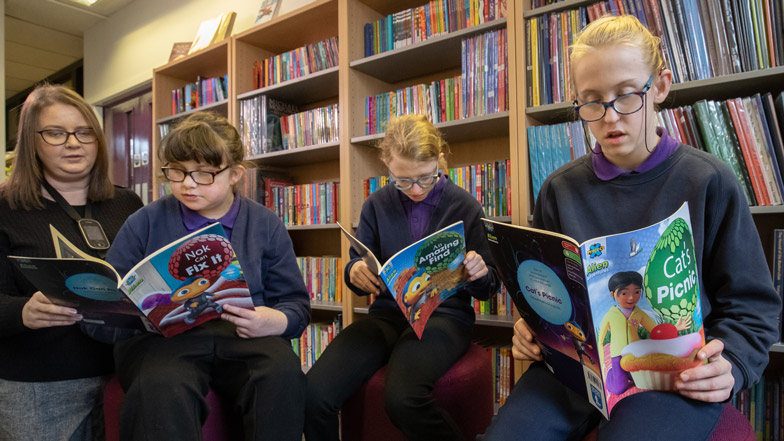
[625, 104]
[199, 176]
[423, 182]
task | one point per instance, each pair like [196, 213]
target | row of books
[323, 277]
[436, 17]
[746, 133]
[200, 93]
[260, 125]
[489, 183]
[307, 204]
[498, 305]
[480, 89]
[503, 373]
[312, 127]
[258, 182]
[700, 39]
[296, 63]
[762, 405]
[315, 339]
[777, 270]
[551, 146]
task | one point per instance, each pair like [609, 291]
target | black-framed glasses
[200, 177]
[625, 104]
[423, 181]
[60, 137]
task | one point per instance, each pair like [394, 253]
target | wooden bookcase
[684, 93]
[314, 22]
[210, 62]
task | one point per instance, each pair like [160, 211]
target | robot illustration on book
[206, 266]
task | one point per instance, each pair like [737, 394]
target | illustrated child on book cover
[650, 326]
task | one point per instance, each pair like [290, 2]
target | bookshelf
[317, 163]
[213, 61]
[719, 87]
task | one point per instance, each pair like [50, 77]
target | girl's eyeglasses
[423, 182]
[625, 104]
[199, 176]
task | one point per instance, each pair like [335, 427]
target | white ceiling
[44, 36]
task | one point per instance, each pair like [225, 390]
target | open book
[423, 274]
[174, 289]
[614, 315]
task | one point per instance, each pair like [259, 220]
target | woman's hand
[364, 279]
[259, 322]
[524, 345]
[710, 382]
[39, 312]
[475, 266]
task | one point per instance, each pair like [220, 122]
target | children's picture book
[422, 275]
[614, 315]
[182, 285]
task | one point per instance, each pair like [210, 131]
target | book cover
[423, 274]
[268, 10]
[182, 285]
[570, 293]
[212, 31]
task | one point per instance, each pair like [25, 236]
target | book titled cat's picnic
[182, 285]
[423, 274]
[614, 315]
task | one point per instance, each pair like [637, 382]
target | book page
[187, 282]
[544, 275]
[364, 252]
[426, 273]
[645, 301]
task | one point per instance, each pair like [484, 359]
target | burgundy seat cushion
[733, 426]
[465, 392]
[220, 426]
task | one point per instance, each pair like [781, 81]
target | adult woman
[51, 373]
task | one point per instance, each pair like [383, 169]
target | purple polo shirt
[606, 170]
[419, 213]
[194, 221]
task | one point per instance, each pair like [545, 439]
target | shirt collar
[606, 170]
[194, 221]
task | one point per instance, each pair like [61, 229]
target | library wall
[121, 52]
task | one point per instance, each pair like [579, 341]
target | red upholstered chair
[220, 425]
[465, 391]
[733, 426]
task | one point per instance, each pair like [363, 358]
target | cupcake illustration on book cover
[671, 287]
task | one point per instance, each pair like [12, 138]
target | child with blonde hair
[418, 201]
[637, 175]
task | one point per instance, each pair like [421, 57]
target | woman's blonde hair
[203, 137]
[415, 138]
[23, 187]
[623, 30]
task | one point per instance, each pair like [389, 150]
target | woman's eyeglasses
[625, 104]
[60, 137]
[423, 182]
[199, 176]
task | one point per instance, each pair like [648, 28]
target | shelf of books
[448, 61]
[199, 81]
[728, 68]
[286, 107]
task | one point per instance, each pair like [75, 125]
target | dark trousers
[540, 408]
[413, 367]
[166, 381]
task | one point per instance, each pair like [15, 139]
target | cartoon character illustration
[416, 293]
[196, 298]
[622, 323]
[196, 295]
[634, 248]
[578, 338]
